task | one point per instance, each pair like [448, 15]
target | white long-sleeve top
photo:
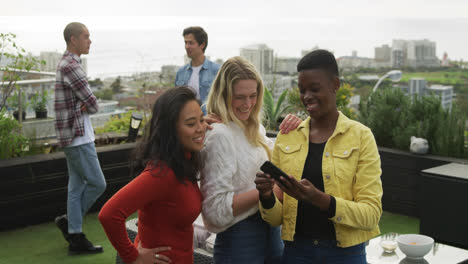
[231, 164]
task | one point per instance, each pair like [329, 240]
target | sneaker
[79, 245]
[62, 224]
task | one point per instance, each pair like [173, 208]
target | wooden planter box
[401, 178]
[34, 189]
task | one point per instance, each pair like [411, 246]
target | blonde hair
[221, 96]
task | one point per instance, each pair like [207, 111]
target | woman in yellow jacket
[331, 202]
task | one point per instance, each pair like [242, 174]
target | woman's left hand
[289, 123]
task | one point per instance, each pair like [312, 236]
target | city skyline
[126, 44]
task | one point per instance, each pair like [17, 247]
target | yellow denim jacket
[351, 173]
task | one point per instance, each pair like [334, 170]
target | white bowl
[415, 246]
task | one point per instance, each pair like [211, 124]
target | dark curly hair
[160, 143]
[319, 59]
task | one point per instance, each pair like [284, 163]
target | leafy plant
[14, 102]
[394, 118]
[118, 123]
[294, 101]
[12, 142]
[39, 101]
[15, 60]
[273, 110]
[343, 98]
[104, 94]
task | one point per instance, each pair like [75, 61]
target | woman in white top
[233, 153]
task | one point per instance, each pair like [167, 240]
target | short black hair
[200, 35]
[319, 59]
[161, 143]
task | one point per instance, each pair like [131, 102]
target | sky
[142, 35]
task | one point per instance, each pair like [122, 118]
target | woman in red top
[166, 193]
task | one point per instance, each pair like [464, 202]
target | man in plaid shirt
[74, 102]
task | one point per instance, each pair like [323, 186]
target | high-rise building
[52, 59]
[397, 58]
[416, 53]
[286, 65]
[382, 53]
[417, 87]
[261, 56]
[445, 93]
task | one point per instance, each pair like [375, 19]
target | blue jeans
[85, 183]
[251, 240]
[308, 250]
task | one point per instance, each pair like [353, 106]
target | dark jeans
[307, 250]
[251, 241]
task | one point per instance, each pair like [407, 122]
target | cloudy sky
[143, 35]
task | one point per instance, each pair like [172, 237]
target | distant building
[52, 59]
[417, 53]
[417, 88]
[168, 73]
[286, 65]
[382, 53]
[278, 83]
[397, 58]
[354, 62]
[261, 56]
[445, 93]
[445, 62]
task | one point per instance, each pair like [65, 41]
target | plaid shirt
[71, 91]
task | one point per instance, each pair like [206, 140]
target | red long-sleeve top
[166, 208]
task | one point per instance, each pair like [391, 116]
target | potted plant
[39, 103]
[13, 103]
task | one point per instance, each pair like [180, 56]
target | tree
[343, 98]
[394, 117]
[105, 94]
[96, 83]
[116, 85]
[14, 59]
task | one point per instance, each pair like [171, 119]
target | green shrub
[39, 100]
[273, 110]
[12, 142]
[394, 118]
[343, 98]
[118, 123]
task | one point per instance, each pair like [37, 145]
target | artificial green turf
[44, 243]
[396, 223]
[41, 244]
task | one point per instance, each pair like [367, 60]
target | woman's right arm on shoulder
[135, 195]
[216, 179]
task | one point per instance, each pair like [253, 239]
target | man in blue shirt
[200, 72]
